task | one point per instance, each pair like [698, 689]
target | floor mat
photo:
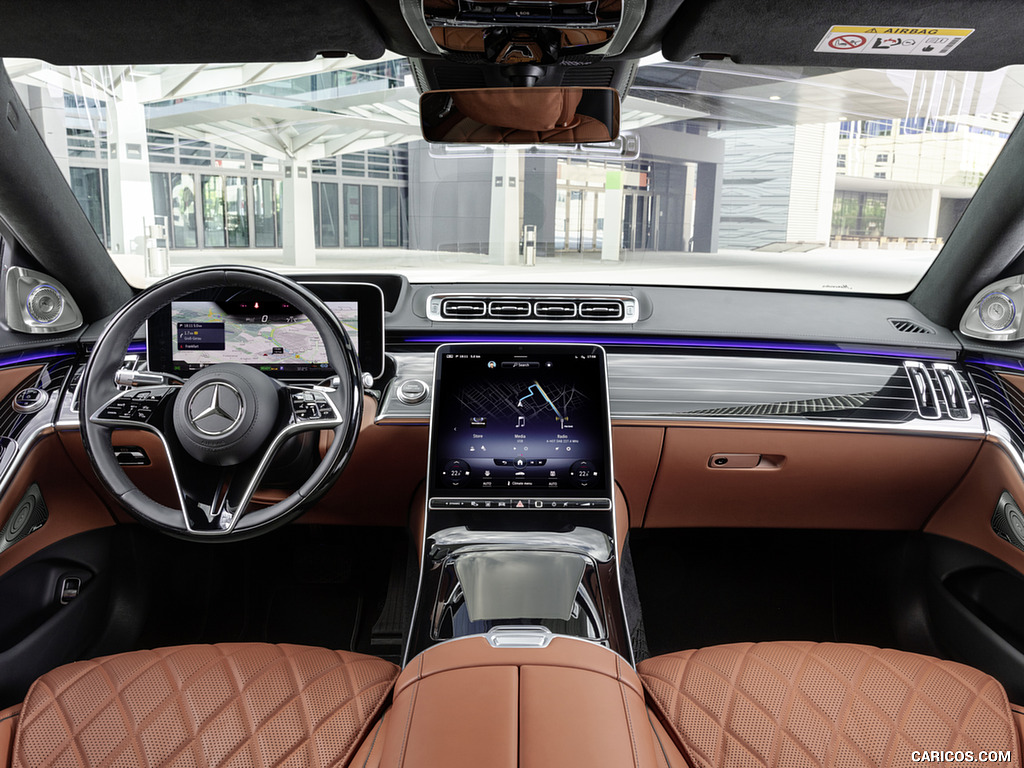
[702, 587]
[309, 585]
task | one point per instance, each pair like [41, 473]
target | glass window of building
[236, 211]
[214, 235]
[264, 213]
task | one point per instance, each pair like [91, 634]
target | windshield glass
[725, 175]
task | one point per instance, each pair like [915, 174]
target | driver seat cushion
[797, 704]
[244, 704]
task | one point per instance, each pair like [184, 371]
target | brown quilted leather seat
[796, 704]
[245, 704]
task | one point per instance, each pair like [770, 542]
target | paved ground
[826, 269]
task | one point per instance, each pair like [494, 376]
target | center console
[519, 529]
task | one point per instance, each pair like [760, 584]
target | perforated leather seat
[795, 704]
[245, 704]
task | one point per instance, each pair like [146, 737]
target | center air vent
[555, 310]
[538, 309]
[509, 308]
[460, 309]
[601, 310]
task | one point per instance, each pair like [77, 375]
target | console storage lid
[561, 701]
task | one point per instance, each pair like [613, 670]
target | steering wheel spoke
[214, 500]
[222, 428]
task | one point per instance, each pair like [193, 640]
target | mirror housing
[520, 115]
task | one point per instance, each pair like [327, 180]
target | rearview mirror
[520, 115]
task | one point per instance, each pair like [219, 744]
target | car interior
[647, 432]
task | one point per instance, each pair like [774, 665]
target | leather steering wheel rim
[97, 389]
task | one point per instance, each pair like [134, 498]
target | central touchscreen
[515, 420]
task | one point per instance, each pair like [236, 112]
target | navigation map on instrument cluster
[204, 334]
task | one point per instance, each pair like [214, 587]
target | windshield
[725, 175]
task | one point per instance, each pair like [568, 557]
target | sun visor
[980, 35]
[188, 31]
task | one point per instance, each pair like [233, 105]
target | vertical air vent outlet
[926, 398]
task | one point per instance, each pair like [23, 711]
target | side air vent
[924, 390]
[538, 309]
[459, 309]
[903, 325]
[509, 308]
[953, 391]
[601, 310]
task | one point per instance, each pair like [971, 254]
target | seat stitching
[793, 692]
[30, 717]
[408, 715]
[247, 714]
[131, 737]
[71, 731]
[629, 719]
[306, 718]
[373, 742]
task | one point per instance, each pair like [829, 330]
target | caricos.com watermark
[959, 756]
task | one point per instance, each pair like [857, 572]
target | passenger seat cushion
[240, 704]
[8, 724]
[799, 704]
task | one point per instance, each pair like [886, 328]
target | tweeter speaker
[45, 304]
[28, 516]
[996, 311]
[1008, 521]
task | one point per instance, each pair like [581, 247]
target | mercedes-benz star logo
[215, 408]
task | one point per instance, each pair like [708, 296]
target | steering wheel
[221, 428]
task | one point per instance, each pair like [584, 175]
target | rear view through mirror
[520, 115]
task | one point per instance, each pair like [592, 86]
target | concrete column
[131, 194]
[297, 235]
[912, 212]
[611, 245]
[503, 237]
[46, 107]
[707, 210]
[812, 183]
[540, 186]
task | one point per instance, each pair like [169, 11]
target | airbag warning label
[898, 41]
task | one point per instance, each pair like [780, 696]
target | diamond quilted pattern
[801, 704]
[204, 706]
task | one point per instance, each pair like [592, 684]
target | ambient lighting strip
[759, 346]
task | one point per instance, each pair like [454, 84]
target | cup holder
[483, 589]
